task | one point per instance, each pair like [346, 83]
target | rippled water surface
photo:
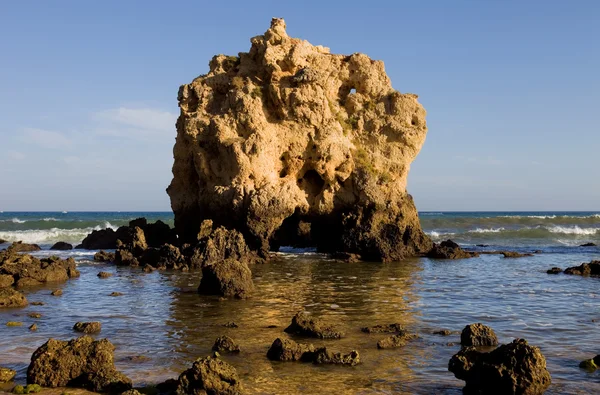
[161, 317]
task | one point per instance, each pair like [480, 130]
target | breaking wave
[52, 235]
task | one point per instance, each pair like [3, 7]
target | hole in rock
[283, 173]
[313, 183]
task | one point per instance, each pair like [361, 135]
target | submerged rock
[478, 335]
[588, 245]
[289, 350]
[387, 328]
[82, 363]
[104, 274]
[211, 376]
[88, 327]
[12, 298]
[449, 250]
[514, 368]
[590, 364]
[33, 327]
[443, 332]
[57, 292]
[62, 246]
[554, 270]
[19, 246]
[289, 141]
[225, 344]
[585, 269]
[228, 278]
[398, 340]
[7, 374]
[305, 325]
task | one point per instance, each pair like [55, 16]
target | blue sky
[512, 89]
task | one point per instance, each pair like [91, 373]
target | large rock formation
[289, 140]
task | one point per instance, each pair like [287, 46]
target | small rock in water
[103, 256]
[209, 375]
[585, 269]
[588, 245]
[225, 344]
[449, 250]
[323, 356]
[230, 325]
[14, 323]
[514, 368]
[88, 327]
[62, 246]
[289, 350]
[34, 315]
[554, 270]
[478, 335]
[588, 364]
[37, 303]
[33, 327]
[116, 294]
[443, 332]
[104, 274]
[57, 292]
[303, 324]
[28, 389]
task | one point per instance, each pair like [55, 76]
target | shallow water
[160, 316]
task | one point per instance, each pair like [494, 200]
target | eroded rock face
[292, 145]
[228, 278]
[514, 368]
[81, 362]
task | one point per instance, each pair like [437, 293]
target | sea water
[161, 317]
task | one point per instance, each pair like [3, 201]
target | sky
[88, 94]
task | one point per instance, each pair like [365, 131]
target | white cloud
[46, 138]
[123, 121]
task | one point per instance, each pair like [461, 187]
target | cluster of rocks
[585, 269]
[514, 368]
[21, 270]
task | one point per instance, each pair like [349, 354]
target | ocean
[160, 324]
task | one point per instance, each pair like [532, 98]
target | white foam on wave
[17, 221]
[435, 234]
[50, 236]
[572, 230]
[489, 230]
[50, 219]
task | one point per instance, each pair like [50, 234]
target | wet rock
[211, 375]
[62, 246]
[300, 162]
[148, 268]
[2, 241]
[478, 335]
[81, 363]
[19, 246]
[88, 327]
[305, 325]
[483, 245]
[346, 257]
[324, 356]
[449, 250]
[159, 233]
[139, 222]
[100, 239]
[554, 270]
[228, 278]
[34, 315]
[104, 274]
[218, 245]
[230, 325]
[289, 350]
[33, 327]
[395, 341]
[28, 270]
[37, 303]
[131, 392]
[225, 344]
[589, 364]
[443, 332]
[103, 256]
[514, 368]
[14, 323]
[514, 254]
[28, 389]
[116, 294]
[585, 269]
[12, 298]
[386, 328]
[133, 240]
[6, 280]
[7, 374]
[57, 292]
[125, 257]
[588, 245]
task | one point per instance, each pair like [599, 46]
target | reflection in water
[160, 324]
